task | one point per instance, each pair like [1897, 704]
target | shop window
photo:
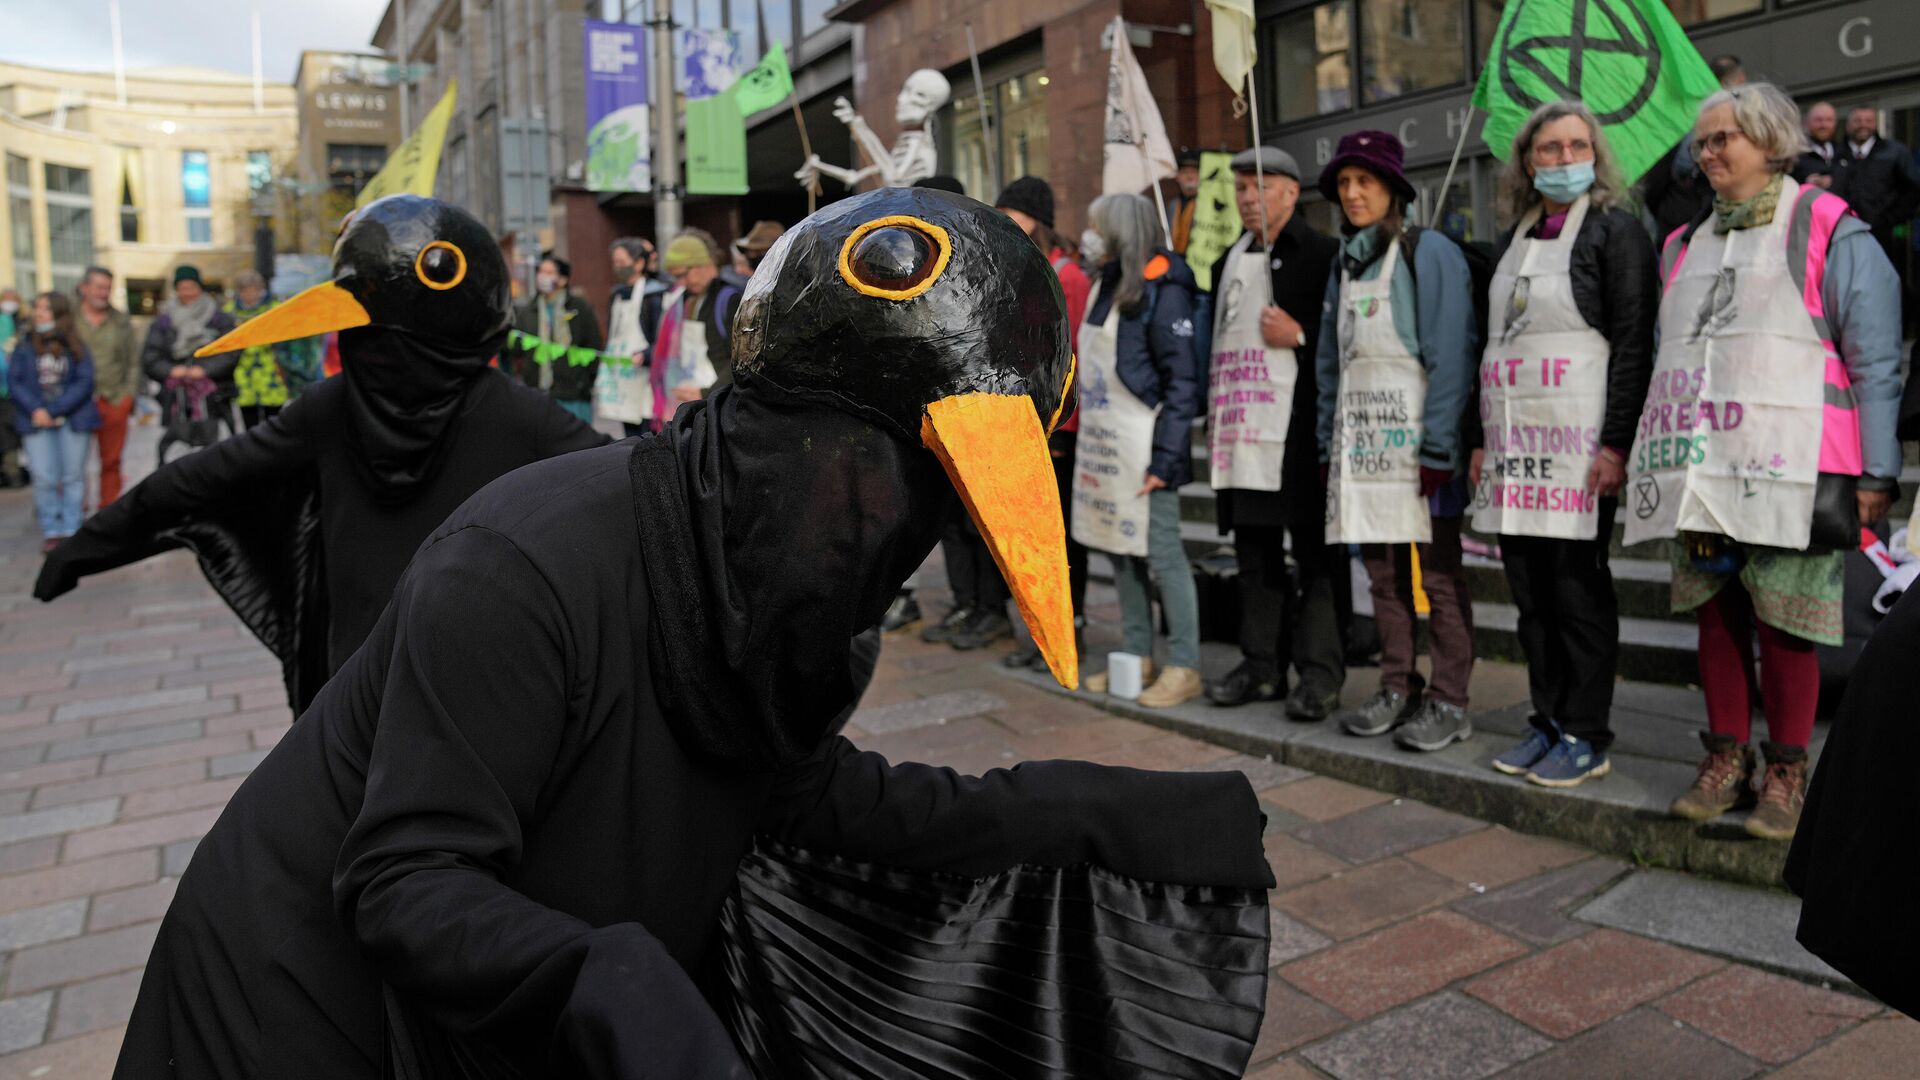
[1411, 45]
[1693, 12]
[1310, 72]
[1486, 20]
[20, 217]
[1017, 113]
[196, 191]
[351, 165]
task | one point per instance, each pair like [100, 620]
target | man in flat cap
[1187, 175]
[1266, 315]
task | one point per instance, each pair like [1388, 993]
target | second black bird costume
[569, 812]
[305, 522]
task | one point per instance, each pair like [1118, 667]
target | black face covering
[774, 530]
[402, 392]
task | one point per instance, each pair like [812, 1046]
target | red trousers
[113, 439]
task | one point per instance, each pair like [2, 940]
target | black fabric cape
[488, 851]
[1857, 888]
[267, 512]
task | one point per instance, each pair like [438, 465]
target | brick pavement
[1407, 941]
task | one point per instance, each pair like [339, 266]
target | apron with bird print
[1252, 384]
[624, 392]
[1729, 441]
[1373, 472]
[1114, 448]
[1543, 393]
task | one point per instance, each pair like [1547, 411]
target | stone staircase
[1655, 645]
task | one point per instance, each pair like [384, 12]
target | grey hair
[1517, 193]
[248, 279]
[1129, 227]
[1767, 117]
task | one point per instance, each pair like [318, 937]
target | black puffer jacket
[1616, 286]
[1157, 360]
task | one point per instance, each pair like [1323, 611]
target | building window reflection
[1692, 12]
[1411, 45]
[20, 217]
[1017, 110]
[1310, 73]
[69, 224]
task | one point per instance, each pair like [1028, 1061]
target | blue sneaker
[1527, 753]
[1570, 762]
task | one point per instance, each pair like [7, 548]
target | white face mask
[547, 283]
[1092, 247]
[9, 307]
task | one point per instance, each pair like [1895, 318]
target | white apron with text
[1729, 441]
[624, 392]
[1113, 451]
[1252, 384]
[1373, 472]
[690, 366]
[1543, 393]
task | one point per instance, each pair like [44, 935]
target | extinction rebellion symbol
[1647, 492]
[1540, 55]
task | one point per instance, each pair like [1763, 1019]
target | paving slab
[1642, 1045]
[1755, 926]
[1445, 1037]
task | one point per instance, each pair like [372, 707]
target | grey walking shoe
[1381, 714]
[1436, 725]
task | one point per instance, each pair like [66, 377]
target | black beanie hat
[1031, 196]
[942, 182]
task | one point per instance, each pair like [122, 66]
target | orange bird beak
[311, 312]
[995, 452]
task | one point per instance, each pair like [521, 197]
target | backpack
[1480, 266]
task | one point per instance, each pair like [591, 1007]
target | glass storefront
[1017, 109]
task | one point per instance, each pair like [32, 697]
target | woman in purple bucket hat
[1395, 383]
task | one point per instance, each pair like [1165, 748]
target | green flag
[1216, 217]
[767, 84]
[716, 146]
[1628, 60]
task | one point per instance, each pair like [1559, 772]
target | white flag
[1233, 49]
[1137, 151]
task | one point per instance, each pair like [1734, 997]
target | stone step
[1623, 814]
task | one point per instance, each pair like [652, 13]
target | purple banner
[617, 130]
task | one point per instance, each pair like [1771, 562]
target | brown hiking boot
[1782, 792]
[1722, 781]
[1174, 686]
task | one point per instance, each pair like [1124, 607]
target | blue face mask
[1563, 183]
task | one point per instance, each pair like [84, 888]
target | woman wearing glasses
[1562, 383]
[1767, 439]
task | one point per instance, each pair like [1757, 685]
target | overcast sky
[203, 33]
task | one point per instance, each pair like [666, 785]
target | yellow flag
[1233, 51]
[411, 169]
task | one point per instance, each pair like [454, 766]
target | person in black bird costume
[304, 523]
[570, 811]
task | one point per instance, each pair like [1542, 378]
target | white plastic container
[1123, 675]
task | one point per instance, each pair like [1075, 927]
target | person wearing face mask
[11, 474]
[557, 314]
[1395, 382]
[625, 394]
[50, 378]
[1570, 348]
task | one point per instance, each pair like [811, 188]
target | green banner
[716, 146]
[767, 84]
[542, 351]
[1216, 217]
[1628, 60]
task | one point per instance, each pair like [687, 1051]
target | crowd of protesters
[1362, 396]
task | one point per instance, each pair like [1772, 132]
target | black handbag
[1836, 513]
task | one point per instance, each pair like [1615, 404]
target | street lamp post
[666, 129]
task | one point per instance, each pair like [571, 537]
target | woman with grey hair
[1562, 381]
[1141, 384]
[1767, 440]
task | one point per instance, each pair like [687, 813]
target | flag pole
[1139, 136]
[1260, 178]
[1445, 185]
[988, 137]
[800, 120]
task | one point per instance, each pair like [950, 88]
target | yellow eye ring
[1053, 423]
[420, 268]
[941, 242]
